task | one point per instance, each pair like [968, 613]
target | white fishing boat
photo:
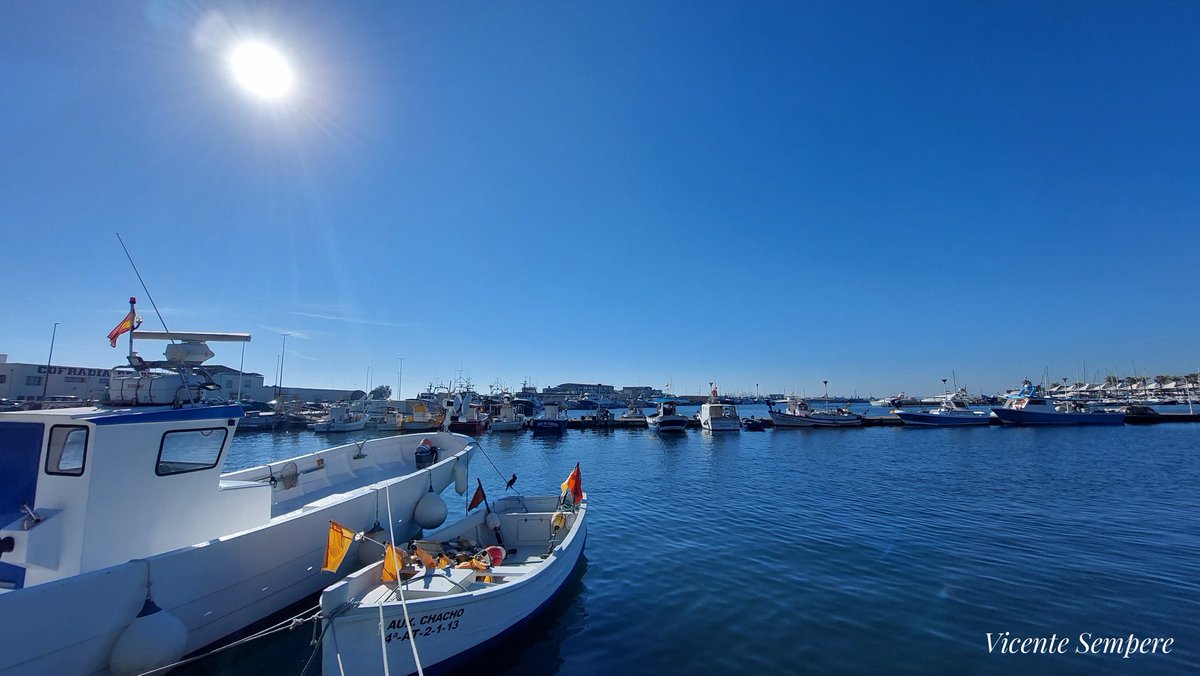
[392, 420]
[507, 419]
[341, 419]
[123, 546]
[718, 417]
[798, 414]
[509, 560]
[420, 417]
[667, 419]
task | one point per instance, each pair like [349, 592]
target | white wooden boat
[667, 419]
[798, 414]
[717, 417]
[119, 522]
[341, 419]
[507, 420]
[453, 610]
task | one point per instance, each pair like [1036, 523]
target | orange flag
[426, 559]
[392, 558]
[340, 538]
[574, 484]
[128, 324]
[478, 498]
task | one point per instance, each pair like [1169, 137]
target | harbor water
[878, 550]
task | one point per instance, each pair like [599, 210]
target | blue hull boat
[1022, 417]
[942, 419]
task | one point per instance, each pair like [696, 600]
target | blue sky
[877, 194]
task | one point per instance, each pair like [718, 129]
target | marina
[864, 326]
[901, 547]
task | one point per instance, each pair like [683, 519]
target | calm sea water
[877, 550]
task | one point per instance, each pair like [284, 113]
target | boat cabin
[135, 481]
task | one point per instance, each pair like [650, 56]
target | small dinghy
[459, 587]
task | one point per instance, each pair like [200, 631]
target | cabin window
[67, 450]
[190, 451]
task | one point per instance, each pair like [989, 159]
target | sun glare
[261, 70]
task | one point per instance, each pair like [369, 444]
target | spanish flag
[128, 324]
[574, 484]
[479, 497]
[340, 538]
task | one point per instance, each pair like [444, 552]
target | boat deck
[427, 583]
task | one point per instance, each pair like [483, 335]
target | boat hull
[927, 419]
[222, 585]
[816, 420]
[1012, 416]
[443, 627]
[468, 427]
[548, 425]
[507, 425]
[670, 423]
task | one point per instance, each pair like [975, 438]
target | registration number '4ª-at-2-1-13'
[424, 626]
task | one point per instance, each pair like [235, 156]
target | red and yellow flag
[128, 324]
[340, 538]
[574, 484]
[479, 496]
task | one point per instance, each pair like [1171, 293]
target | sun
[261, 70]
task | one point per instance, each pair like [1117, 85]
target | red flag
[478, 498]
[574, 484]
[128, 324]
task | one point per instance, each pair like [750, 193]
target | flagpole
[132, 321]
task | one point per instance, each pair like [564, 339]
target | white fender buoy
[155, 638]
[460, 477]
[430, 511]
[368, 551]
[492, 520]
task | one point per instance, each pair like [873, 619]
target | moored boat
[120, 517]
[716, 416]
[952, 411]
[509, 560]
[341, 419]
[667, 419]
[551, 420]
[507, 419]
[799, 414]
[1030, 406]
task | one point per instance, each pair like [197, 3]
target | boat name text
[427, 625]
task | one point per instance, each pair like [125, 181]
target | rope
[288, 624]
[498, 472]
[408, 628]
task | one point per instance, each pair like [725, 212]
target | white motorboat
[718, 417]
[952, 411]
[799, 414]
[667, 419]
[505, 575]
[507, 420]
[120, 519]
[341, 419]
